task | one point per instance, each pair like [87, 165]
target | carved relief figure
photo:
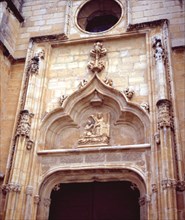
[97, 52]
[159, 51]
[129, 93]
[96, 130]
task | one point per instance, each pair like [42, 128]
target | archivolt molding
[83, 100]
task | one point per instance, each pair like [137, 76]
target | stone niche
[95, 115]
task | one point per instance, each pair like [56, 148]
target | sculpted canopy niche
[95, 115]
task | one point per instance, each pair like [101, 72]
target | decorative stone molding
[47, 202]
[157, 138]
[109, 82]
[49, 38]
[29, 190]
[62, 99]
[96, 130]
[159, 53]
[145, 106]
[168, 183]
[82, 83]
[164, 114]
[36, 199]
[29, 144]
[129, 93]
[181, 186]
[11, 187]
[24, 125]
[154, 188]
[144, 200]
[96, 53]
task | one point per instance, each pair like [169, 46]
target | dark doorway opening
[95, 201]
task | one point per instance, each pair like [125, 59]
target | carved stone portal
[96, 130]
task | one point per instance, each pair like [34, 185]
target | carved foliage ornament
[11, 187]
[96, 130]
[144, 200]
[97, 65]
[168, 183]
[164, 114]
[24, 126]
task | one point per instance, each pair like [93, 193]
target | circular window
[97, 16]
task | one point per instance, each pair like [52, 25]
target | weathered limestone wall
[9, 28]
[179, 81]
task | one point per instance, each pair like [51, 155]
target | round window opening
[97, 16]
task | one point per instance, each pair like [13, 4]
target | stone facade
[79, 106]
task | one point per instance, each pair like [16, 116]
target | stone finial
[24, 126]
[145, 106]
[164, 114]
[129, 93]
[159, 53]
[96, 53]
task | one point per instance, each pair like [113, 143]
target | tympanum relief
[96, 130]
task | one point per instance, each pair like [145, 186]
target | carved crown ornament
[97, 65]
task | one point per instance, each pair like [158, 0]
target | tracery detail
[96, 53]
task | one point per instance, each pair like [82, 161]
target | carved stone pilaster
[164, 114]
[159, 53]
[36, 199]
[181, 186]
[24, 125]
[96, 53]
[29, 190]
[168, 183]
[144, 200]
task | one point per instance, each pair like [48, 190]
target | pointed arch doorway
[114, 200]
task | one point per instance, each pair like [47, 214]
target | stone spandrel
[96, 130]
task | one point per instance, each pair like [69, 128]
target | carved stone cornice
[49, 38]
[144, 200]
[164, 114]
[168, 183]
[11, 187]
[96, 53]
[150, 24]
[181, 186]
[24, 125]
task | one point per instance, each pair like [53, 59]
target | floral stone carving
[96, 53]
[96, 130]
[164, 114]
[24, 126]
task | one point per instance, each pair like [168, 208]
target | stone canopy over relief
[96, 130]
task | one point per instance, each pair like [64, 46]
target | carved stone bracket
[29, 190]
[24, 126]
[36, 199]
[144, 200]
[159, 53]
[168, 183]
[181, 186]
[164, 114]
[11, 187]
[96, 53]
[129, 93]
